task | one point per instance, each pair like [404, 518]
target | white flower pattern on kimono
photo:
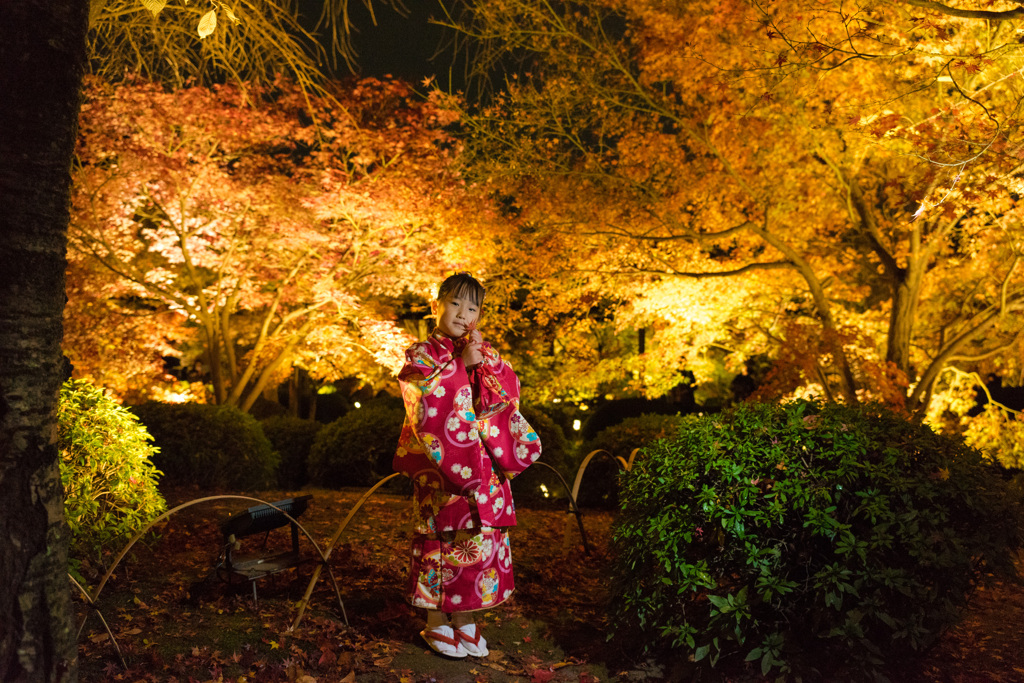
[456, 599]
[439, 392]
[461, 436]
[453, 423]
[432, 412]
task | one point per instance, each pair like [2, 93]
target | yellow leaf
[274, 645]
[154, 6]
[208, 24]
[231, 15]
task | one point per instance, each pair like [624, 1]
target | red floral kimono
[463, 440]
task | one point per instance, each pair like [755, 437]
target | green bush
[357, 448]
[109, 479]
[213, 447]
[605, 414]
[599, 487]
[807, 540]
[292, 438]
[555, 452]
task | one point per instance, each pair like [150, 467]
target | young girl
[463, 440]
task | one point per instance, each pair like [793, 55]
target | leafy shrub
[214, 447]
[610, 413]
[599, 487]
[806, 539]
[292, 437]
[357, 448]
[107, 471]
[555, 452]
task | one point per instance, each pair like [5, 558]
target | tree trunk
[42, 56]
[901, 324]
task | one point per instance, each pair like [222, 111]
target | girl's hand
[473, 353]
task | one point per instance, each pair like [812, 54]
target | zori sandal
[472, 642]
[443, 641]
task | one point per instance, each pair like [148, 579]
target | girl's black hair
[462, 285]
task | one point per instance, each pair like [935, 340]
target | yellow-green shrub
[109, 479]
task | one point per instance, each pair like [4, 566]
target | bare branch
[772, 265]
[988, 15]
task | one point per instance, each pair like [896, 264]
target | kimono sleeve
[510, 441]
[495, 385]
[439, 445]
[506, 435]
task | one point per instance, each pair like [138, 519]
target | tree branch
[771, 265]
[990, 15]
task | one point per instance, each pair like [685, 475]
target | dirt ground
[173, 620]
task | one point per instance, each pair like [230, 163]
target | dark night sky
[402, 46]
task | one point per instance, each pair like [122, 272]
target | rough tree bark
[42, 57]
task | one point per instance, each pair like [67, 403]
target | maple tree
[248, 238]
[849, 168]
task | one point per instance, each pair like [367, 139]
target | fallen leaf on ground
[542, 675]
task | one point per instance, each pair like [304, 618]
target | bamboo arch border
[624, 465]
[92, 598]
[330, 548]
[573, 508]
[573, 493]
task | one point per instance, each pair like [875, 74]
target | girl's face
[455, 315]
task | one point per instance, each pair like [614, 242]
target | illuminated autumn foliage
[653, 196]
[247, 239]
[850, 168]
